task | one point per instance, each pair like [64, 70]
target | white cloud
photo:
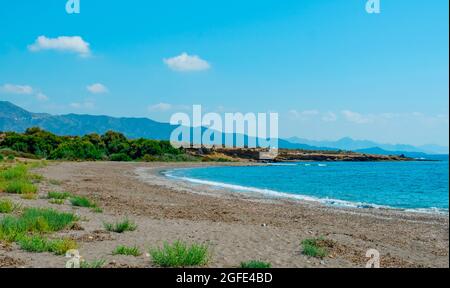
[329, 117]
[303, 114]
[97, 88]
[356, 117]
[186, 63]
[160, 107]
[74, 44]
[16, 89]
[41, 97]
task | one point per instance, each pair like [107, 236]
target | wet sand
[238, 227]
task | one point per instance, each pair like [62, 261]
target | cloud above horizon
[16, 89]
[187, 63]
[73, 44]
[97, 88]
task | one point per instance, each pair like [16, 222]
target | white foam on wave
[278, 194]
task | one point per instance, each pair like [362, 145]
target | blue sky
[326, 66]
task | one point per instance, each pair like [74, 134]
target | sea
[417, 186]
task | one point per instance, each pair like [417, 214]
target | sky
[329, 68]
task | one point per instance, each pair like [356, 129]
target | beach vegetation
[58, 195]
[114, 146]
[6, 206]
[180, 254]
[255, 264]
[314, 247]
[121, 226]
[80, 201]
[128, 251]
[39, 244]
[34, 221]
[95, 264]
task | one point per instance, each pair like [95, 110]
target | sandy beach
[238, 227]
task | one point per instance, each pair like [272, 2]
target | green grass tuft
[96, 264]
[79, 201]
[179, 254]
[34, 220]
[39, 244]
[20, 187]
[58, 195]
[6, 206]
[255, 264]
[128, 251]
[314, 248]
[120, 227]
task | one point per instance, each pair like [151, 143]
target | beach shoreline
[238, 226]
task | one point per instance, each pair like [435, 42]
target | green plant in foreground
[180, 254]
[6, 206]
[120, 227]
[129, 251]
[39, 244]
[99, 263]
[79, 201]
[58, 195]
[255, 264]
[34, 220]
[314, 248]
[20, 187]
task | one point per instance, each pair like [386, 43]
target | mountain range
[15, 118]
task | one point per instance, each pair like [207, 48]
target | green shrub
[11, 157]
[129, 251]
[34, 220]
[256, 264]
[120, 157]
[93, 265]
[76, 149]
[58, 195]
[79, 201]
[2, 158]
[314, 248]
[120, 227]
[6, 206]
[39, 244]
[18, 172]
[179, 254]
[20, 187]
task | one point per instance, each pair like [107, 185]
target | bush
[1, 158]
[34, 220]
[120, 227]
[120, 157]
[256, 264]
[20, 187]
[128, 251]
[314, 248]
[38, 244]
[76, 149]
[92, 265]
[82, 202]
[6, 206]
[179, 254]
[58, 195]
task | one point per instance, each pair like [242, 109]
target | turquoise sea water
[416, 186]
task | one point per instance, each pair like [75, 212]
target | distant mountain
[14, 118]
[356, 145]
